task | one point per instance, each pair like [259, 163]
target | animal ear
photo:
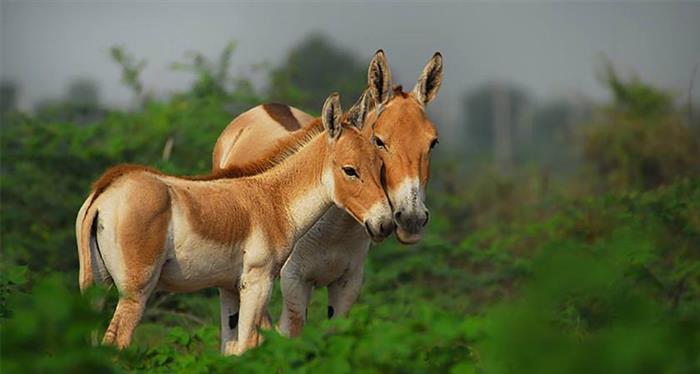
[430, 80]
[358, 113]
[379, 78]
[331, 115]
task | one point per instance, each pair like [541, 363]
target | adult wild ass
[332, 253]
[143, 229]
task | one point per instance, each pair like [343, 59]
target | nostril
[427, 217]
[397, 215]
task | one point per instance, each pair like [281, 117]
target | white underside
[335, 244]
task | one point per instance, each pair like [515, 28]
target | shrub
[640, 141]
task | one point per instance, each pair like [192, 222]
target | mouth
[405, 237]
[374, 236]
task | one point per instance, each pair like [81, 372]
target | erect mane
[398, 91]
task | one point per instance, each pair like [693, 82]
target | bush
[516, 273]
[641, 141]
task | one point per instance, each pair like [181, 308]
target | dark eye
[378, 142]
[350, 171]
[434, 143]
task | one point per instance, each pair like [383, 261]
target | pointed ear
[379, 78]
[430, 80]
[331, 115]
[358, 113]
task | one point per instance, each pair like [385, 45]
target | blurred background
[565, 190]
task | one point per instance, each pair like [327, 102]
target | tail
[91, 262]
[88, 249]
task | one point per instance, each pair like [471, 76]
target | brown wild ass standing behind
[143, 229]
[332, 253]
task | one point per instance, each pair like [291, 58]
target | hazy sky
[549, 48]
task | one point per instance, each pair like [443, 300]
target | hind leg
[126, 318]
[229, 305]
[132, 302]
[133, 239]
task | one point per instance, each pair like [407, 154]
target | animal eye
[350, 171]
[434, 143]
[378, 142]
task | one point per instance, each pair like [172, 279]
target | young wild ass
[332, 253]
[143, 229]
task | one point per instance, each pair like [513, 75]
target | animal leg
[132, 302]
[256, 288]
[126, 317]
[343, 292]
[230, 302]
[296, 293]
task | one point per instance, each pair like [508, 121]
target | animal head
[353, 168]
[404, 136]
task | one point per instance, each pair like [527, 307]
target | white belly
[194, 263]
[194, 268]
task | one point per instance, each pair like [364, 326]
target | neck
[303, 185]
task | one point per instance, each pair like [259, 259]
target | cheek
[425, 171]
[394, 174]
[392, 189]
[347, 188]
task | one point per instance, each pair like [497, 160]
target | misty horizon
[549, 50]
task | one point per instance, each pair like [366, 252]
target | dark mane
[398, 91]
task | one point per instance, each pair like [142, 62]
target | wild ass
[143, 229]
[332, 253]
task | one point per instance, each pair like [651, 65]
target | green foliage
[131, 68]
[616, 287]
[518, 273]
[608, 283]
[40, 202]
[640, 141]
[211, 78]
[49, 331]
[312, 70]
[634, 97]
[11, 279]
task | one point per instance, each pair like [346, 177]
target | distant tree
[80, 104]
[8, 96]
[131, 68]
[548, 138]
[83, 92]
[212, 78]
[634, 97]
[641, 141]
[313, 69]
[214, 83]
[494, 112]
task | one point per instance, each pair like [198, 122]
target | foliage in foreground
[514, 275]
[613, 283]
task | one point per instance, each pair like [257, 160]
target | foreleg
[296, 293]
[255, 289]
[343, 292]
